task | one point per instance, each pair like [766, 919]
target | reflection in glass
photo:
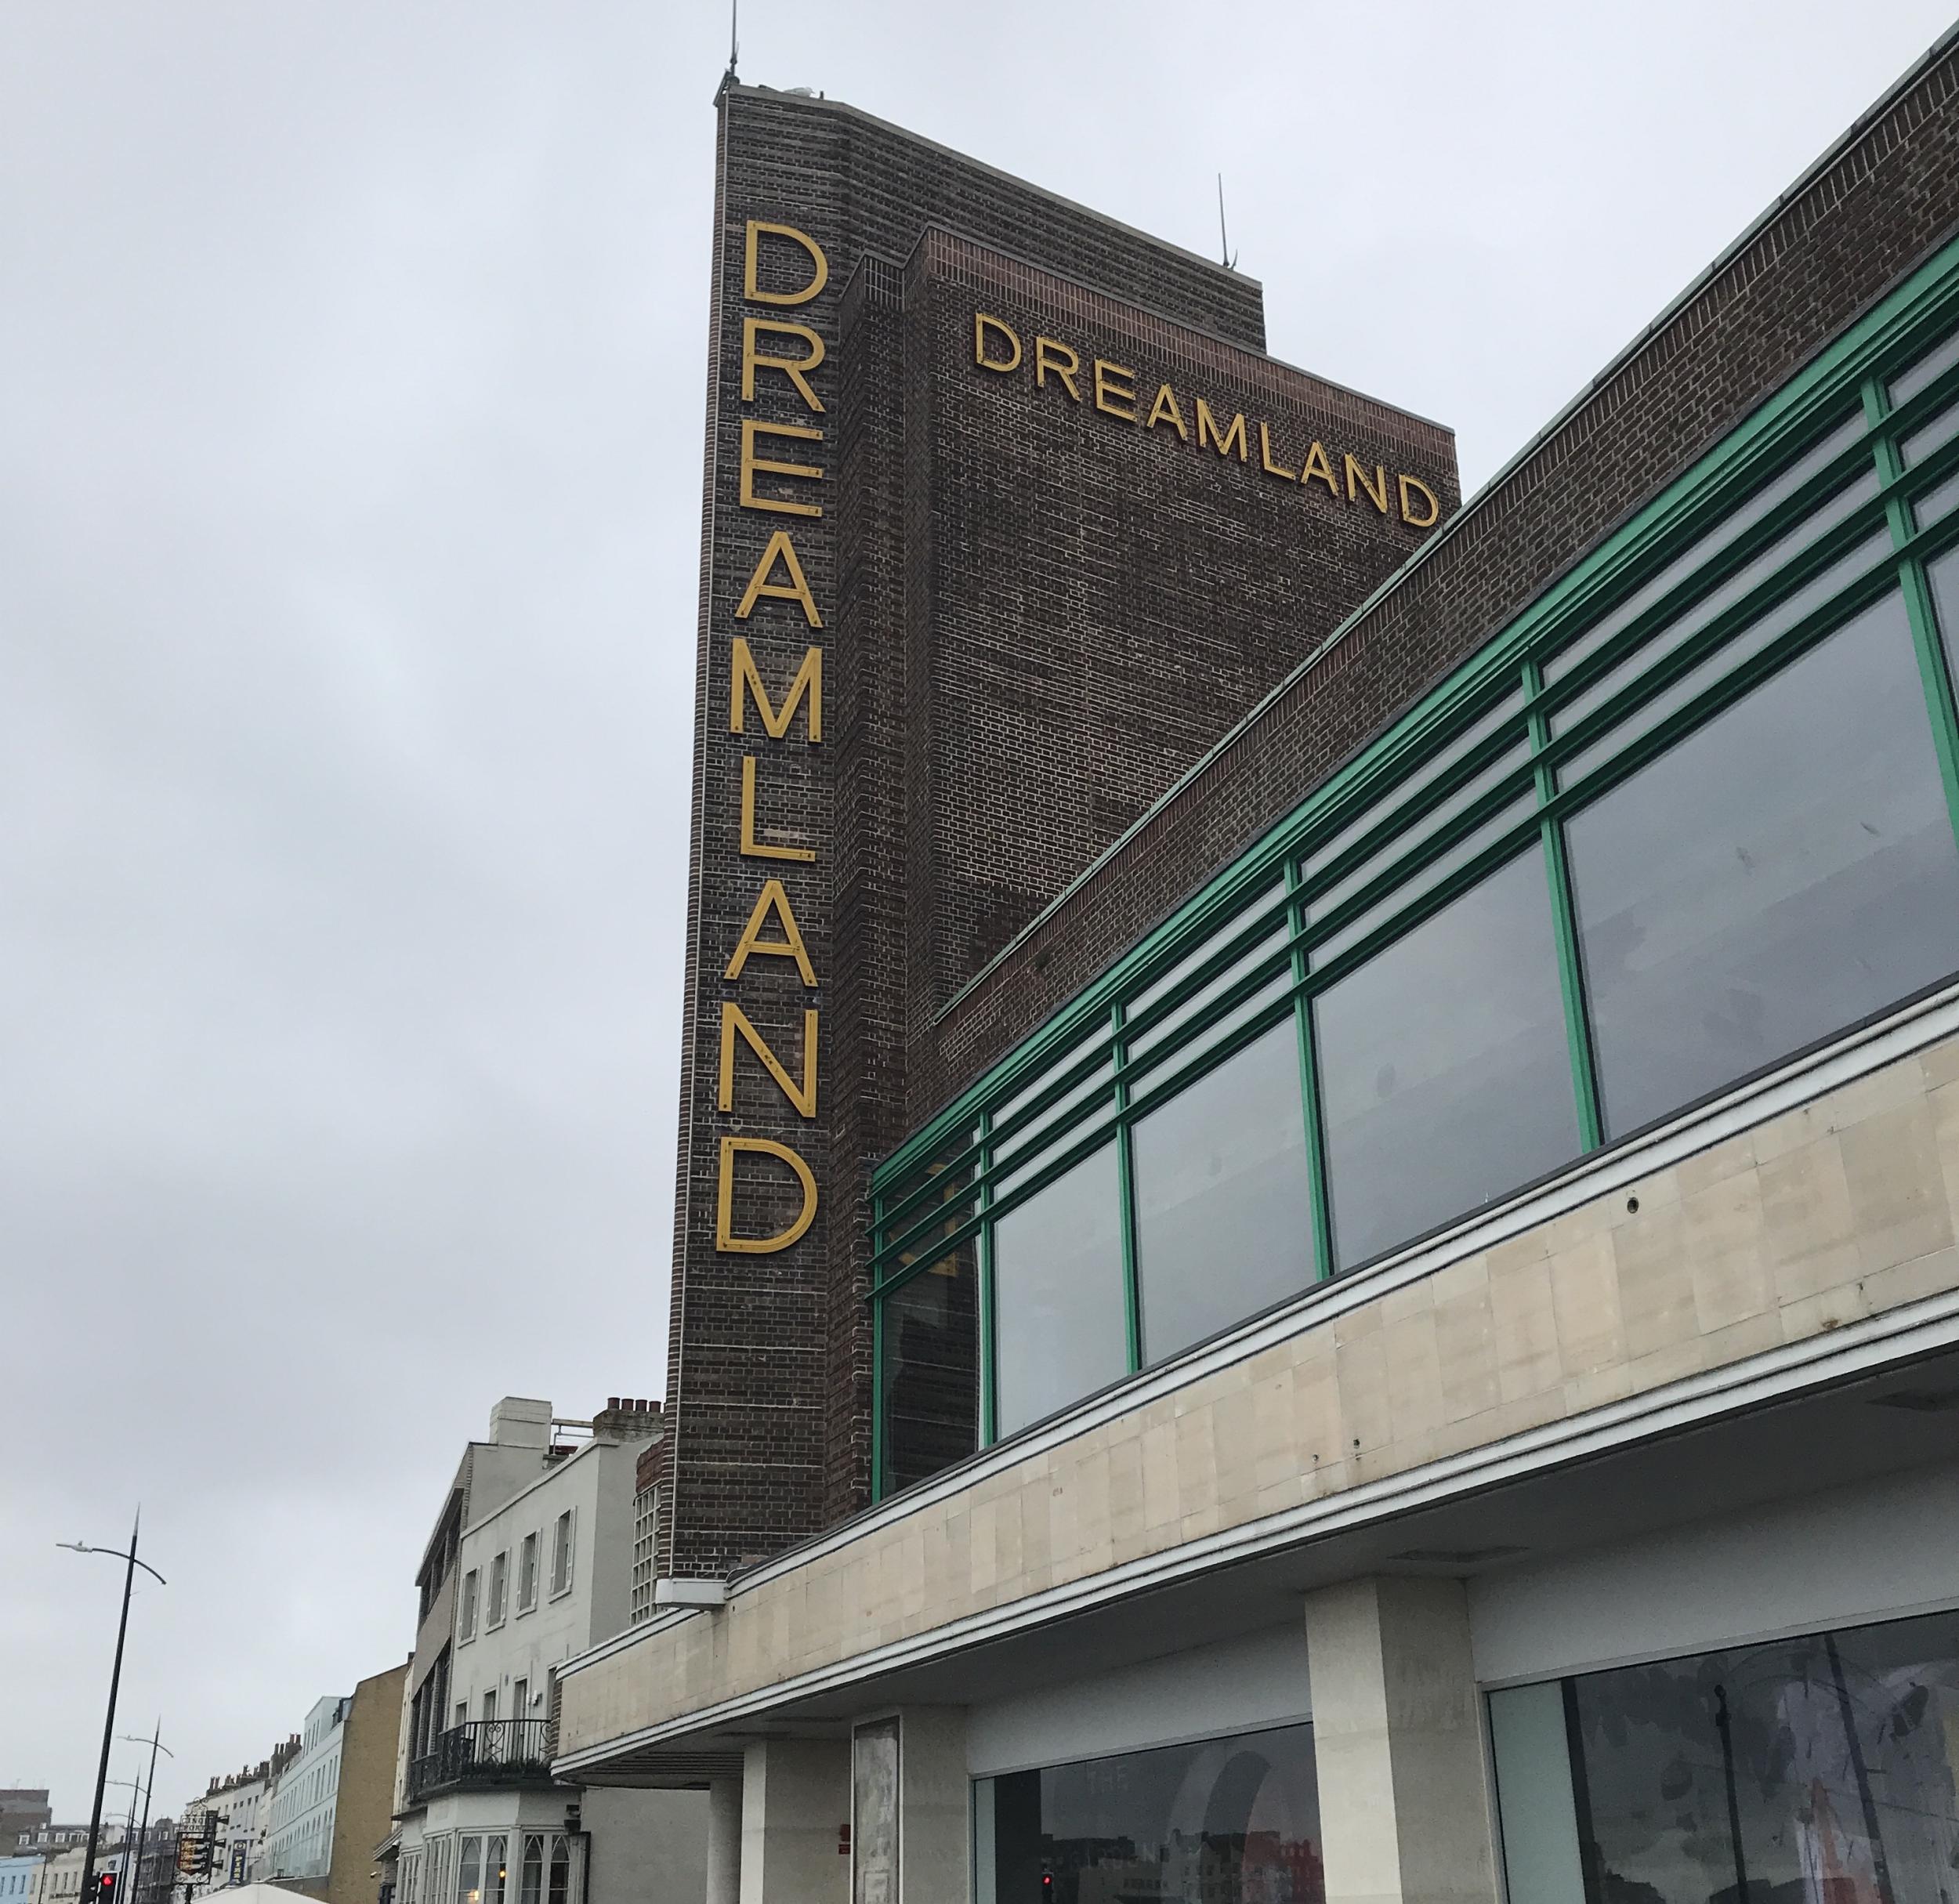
[1932, 435]
[1933, 364]
[1823, 1768]
[1779, 553]
[1229, 1821]
[931, 1369]
[1018, 1153]
[1417, 781]
[1445, 1072]
[1059, 1313]
[1943, 575]
[1937, 503]
[1264, 948]
[1758, 635]
[469, 1873]
[1783, 872]
[1224, 1221]
[1743, 516]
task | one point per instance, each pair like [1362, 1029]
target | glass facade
[1822, 1769]
[1227, 1821]
[1692, 813]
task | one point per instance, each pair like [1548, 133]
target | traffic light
[105, 1887]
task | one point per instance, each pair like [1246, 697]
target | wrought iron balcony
[485, 1752]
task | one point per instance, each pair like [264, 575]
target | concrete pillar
[724, 1841]
[1397, 1737]
[796, 1810]
[935, 1807]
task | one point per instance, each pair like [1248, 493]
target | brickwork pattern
[1888, 197]
[1844, 1207]
[978, 748]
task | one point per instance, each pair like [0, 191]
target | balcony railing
[484, 1752]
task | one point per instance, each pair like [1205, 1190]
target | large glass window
[1822, 1768]
[1684, 898]
[1228, 1821]
[1445, 1069]
[931, 1369]
[1782, 873]
[1059, 1322]
[1224, 1214]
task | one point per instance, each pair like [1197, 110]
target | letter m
[1208, 432]
[748, 680]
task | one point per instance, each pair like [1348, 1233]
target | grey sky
[348, 500]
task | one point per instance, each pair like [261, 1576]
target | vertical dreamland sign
[1007, 518]
[745, 1415]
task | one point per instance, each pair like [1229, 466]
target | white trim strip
[1918, 1329]
[1841, 1063]
[1855, 1056]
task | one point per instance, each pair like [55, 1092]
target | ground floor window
[1225, 1821]
[1822, 1769]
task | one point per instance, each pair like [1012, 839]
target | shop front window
[1822, 1769]
[1228, 1821]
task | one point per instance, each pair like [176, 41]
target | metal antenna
[731, 78]
[1224, 241]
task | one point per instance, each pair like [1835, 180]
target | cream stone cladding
[1752, 1246]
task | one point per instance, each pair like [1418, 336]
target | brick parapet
[1883, 200]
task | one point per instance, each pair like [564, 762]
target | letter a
[795, 589]
[789, 946]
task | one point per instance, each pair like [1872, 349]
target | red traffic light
[105, 1886]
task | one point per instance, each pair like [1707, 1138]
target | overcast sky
[349, 467]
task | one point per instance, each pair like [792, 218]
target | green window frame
[1471, 775]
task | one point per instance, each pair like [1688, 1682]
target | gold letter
[750, 847]
[1435, 507]
[1377, 495]
[724, 1236]
[1265, 456]
[734, 1021]
[1043, 363]
[794, 589]
[753, 360]
[746, 680]
[751, 463]
[755, 294]
[982, 324]
[790, 945]
[1166, 407]
[1104, 388]
[1207, 432]
[1317, 469]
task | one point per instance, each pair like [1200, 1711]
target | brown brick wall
[1035, 617]
[1885, 198]
[364, 1809]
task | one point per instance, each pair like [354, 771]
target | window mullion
[1564, 924]
[983, 1270]
[1919, 611]
[1126, 1192]
[1316, 1189]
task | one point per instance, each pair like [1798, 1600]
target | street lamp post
[133, 1787]
[115, 1685]
[154, 1742]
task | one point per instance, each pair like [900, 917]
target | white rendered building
[543, 1571]
[299, 1837]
